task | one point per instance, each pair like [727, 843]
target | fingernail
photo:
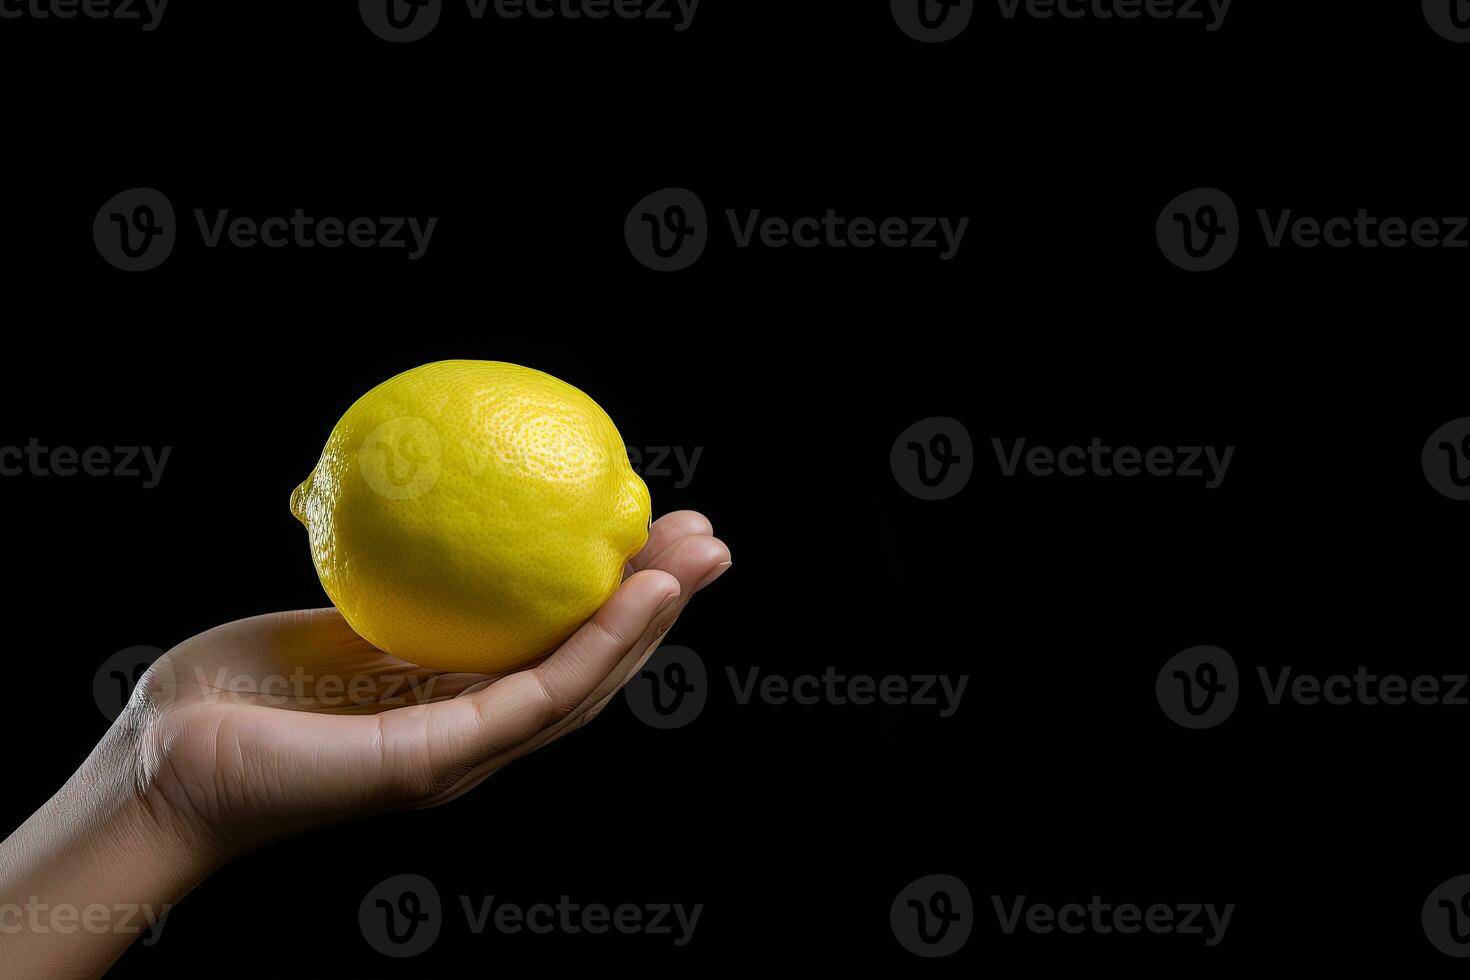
[668, 601]
[715, 573]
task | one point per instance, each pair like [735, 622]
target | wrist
[94, 869]
[135, 799]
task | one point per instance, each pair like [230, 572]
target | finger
[668, 529]
[592, 705]
[695, 561]
[524, 711]
[508, 749]
[471, 736]
[584, 716]
[575, 669]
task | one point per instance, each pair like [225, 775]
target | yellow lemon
[470, 515]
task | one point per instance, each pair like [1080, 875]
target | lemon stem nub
[298, 501]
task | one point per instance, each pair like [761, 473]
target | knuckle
[611, 632]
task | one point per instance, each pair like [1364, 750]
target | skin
[216, 754]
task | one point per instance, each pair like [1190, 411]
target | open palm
[267, 726]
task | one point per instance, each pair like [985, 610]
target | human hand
[274, 725]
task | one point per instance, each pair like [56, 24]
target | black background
[1059, 778]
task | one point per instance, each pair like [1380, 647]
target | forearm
[91, 871]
